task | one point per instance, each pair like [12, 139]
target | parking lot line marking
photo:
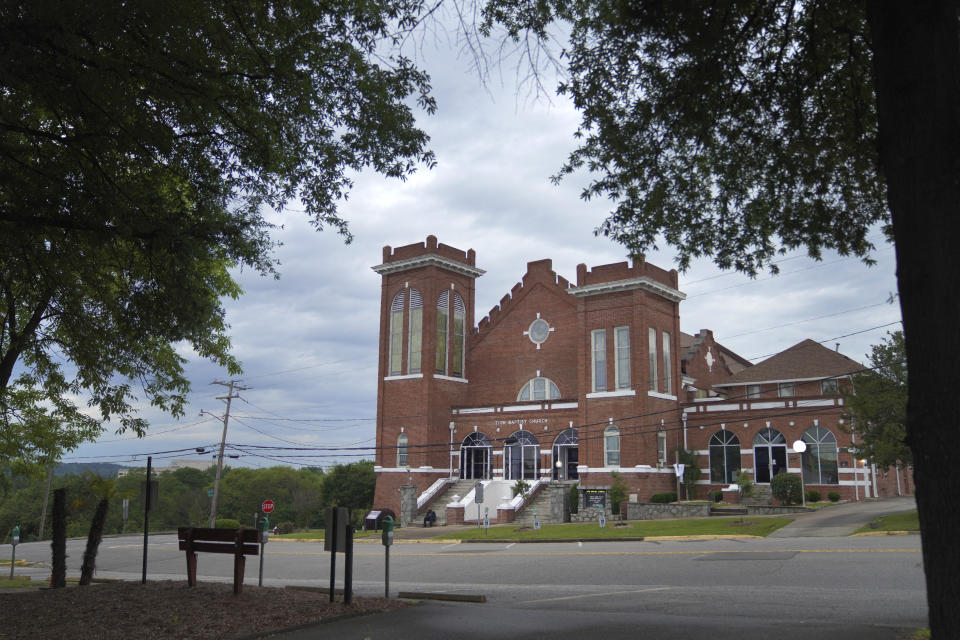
[596, 595]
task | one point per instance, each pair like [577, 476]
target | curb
[449, 597]
[884, 533]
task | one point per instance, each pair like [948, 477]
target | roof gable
[807, 360]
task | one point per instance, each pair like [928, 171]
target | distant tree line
[300, 496]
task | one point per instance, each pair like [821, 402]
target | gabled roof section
[807, 360]
[539, 272]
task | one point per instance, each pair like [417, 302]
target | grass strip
[747, 526]
[905, 521]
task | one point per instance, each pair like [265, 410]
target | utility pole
[232, 385]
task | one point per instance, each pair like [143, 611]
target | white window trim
[437, 376]
[407, 376]
[665, 396]
[613, 394]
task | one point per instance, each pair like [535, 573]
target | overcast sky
[308, 341]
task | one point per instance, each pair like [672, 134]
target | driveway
[843, 519]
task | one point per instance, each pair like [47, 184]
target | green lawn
[752, 526]
[906, 521]
[317, 534]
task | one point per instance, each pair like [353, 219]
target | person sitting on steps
[430, 519]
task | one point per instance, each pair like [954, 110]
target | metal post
[146, 519]
[348, 567]
[332, 528]
[263, 540]
[13, 554]
[386, 572]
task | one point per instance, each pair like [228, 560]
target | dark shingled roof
[805, 360]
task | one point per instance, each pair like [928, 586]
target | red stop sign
[267, 506]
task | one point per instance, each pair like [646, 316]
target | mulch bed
[168, 609]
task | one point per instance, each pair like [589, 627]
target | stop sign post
[267, 506]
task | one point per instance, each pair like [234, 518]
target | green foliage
[663, 498]
[141, 146]
[520, 486]
[691, 471]
[573, 498]
[833, 496]
[618, 493]
[877, 405]
[714, 496]
[226, 523]
[351, 485]
[787, 488]
[698, 123]
[813, 495]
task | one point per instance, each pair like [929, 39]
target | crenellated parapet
[625, 276]
[429, 253]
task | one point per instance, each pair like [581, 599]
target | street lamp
[800, 446]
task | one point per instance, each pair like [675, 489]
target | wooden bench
[238, 542]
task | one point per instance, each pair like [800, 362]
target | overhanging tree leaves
[139, 144]
[877, 406]
[741, 129]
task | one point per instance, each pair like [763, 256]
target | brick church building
[571, 383]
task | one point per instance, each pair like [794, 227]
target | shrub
[520, 486]
[787, 488]
[285, 527]
[745, 482]
[573, 498]
[663, 498]
[715, 496]
[833, 496]
[813, 495]
[226, 523]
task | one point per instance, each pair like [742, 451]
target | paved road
[786, 587]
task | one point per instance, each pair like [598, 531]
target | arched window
[566, 453]
[819, 461]
[611, 447]
[457, 346]
[396, 335]
[415, 341]
[402, 450]
[476, 456]
[443, 315]
[724, 456]
[769, 455]
[521, 456]
[539, 389]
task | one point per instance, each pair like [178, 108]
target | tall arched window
[611, 447]
[402, 450]
[396, 335]
[443, 314]
[724, 456]
[539, 389]
[457, 346]
[819, 461]
[476, 457]
[415, 341]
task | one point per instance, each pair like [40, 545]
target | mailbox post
[13, 554]
[387, 539]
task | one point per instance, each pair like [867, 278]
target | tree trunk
[93, 543]
[58, 545]
[917, 77]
